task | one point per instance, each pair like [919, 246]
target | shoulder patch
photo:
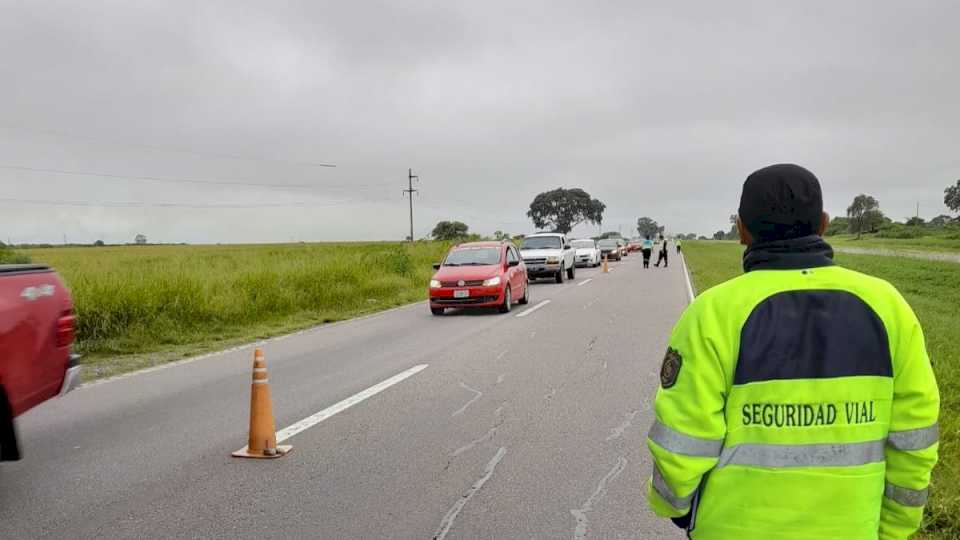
[672, 362]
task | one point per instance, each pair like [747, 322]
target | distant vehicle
[610, 249]
[36, 336]
[586, 252]
[548, 254]
[634, 244]
[623, 247]
[479, 274]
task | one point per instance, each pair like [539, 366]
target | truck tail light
[66, 326]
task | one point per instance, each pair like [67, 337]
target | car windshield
[608, 243]
[583, 243]
[473, 257]
[541, 242]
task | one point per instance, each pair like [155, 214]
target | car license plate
[461, 294]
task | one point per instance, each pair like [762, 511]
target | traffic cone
[606, 268]
[262, 442]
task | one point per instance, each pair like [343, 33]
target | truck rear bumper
[71, 379]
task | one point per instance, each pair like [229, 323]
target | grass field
[933, 290]
[140, 306]
[941, 243]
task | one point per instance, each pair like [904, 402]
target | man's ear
[824, 223]
[745, 237]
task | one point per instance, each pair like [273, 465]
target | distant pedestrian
[647, 250]
[678, 246]
[662, 255]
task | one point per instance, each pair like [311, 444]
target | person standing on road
[796, 401]
[647, 249]
[677, 241]
[662, 254]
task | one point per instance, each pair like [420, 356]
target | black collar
[806, 252]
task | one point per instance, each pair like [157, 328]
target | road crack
[478, 395]
[617, 432]
[447, 523]
[580, 514]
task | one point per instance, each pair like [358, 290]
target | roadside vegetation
[9, 256]
[933, 290]
[140, 306]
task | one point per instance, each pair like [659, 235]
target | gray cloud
[657, 110]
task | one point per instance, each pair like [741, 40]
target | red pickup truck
[36, 338]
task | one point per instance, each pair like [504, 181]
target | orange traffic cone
[606, 269]
[263, 433]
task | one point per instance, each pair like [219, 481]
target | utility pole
[410, 191]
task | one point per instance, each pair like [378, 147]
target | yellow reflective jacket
[797, 401]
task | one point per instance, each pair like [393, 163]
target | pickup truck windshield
[583, 244]
[541, 242]
[473, 257]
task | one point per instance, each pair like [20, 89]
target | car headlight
[492, 281]
[434, 284]
[553, 260]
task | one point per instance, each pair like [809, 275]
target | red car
[36, 334]
[479, 274]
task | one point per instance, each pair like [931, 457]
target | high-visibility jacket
[797, 401]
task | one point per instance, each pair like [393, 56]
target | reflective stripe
[662, 489]
[905, 496]
[260, 381]
[803, 455]
[914, 439]
[678, 443]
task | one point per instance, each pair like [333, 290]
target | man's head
[780, 202]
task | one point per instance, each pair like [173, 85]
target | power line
[183, 180]
[141, 204]
[66, 135]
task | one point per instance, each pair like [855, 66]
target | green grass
[933, 290]
[941, 243]
[140, 306]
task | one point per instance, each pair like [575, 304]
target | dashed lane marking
[534, 308]
[315, 419]
[584, 282]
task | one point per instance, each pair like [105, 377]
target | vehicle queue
[497, 274]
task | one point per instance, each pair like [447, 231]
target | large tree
[862, 213]
[941, 221]
[562, 209]
[951, 197]
[647, 227]
[449, 230]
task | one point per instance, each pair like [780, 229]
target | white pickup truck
[548, 254]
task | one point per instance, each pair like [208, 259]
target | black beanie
[781, 202]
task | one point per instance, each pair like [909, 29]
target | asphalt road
[520, 427]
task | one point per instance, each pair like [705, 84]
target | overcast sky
[658, 109]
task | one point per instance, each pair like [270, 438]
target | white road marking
[534, 308]
[246, 346]
[580, 514]
[467, 404]
[686, 275]
[315, 419]
[584, 282]
[447, 522]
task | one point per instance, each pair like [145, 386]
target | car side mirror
[436, 266]
[513, 263]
